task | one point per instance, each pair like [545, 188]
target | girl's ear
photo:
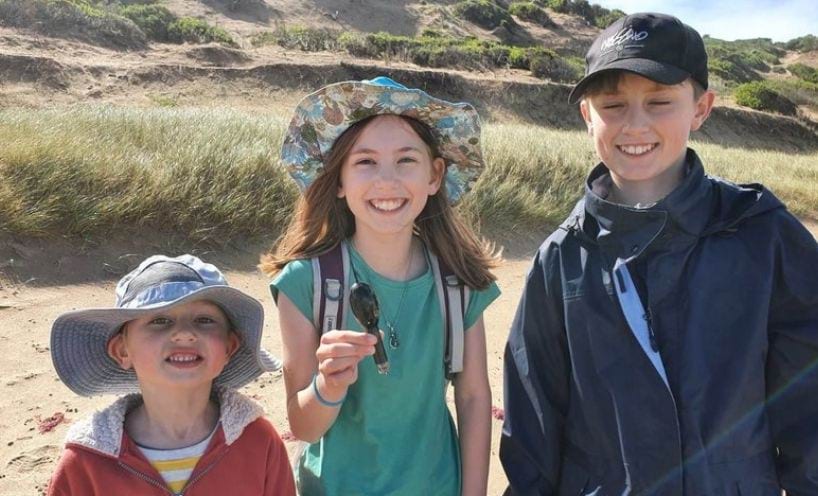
[118, 350]
[438, 171]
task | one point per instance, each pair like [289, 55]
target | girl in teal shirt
[380, 165]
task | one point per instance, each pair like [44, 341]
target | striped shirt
[176, 465]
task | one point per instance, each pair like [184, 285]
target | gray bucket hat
[79, 339]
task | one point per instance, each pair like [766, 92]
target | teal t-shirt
[394, 434]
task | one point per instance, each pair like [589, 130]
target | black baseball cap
[657, 46]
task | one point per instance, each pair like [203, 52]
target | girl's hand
[338, 355]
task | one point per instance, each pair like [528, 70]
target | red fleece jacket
[255, 463]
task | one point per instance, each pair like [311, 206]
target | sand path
[30, 391]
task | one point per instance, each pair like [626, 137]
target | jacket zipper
[146, 478]
[654, 343]
[164, 486]
[202, 473]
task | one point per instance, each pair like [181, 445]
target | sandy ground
[31, 393]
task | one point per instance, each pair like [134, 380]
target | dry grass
[212, 175]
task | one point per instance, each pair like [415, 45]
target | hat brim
[79, 343]
[655, 71]
[321, 117]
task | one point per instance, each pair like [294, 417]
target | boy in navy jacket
[666, 342]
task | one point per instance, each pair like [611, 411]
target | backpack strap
[330, 288]
[331, 296]
[453, 297]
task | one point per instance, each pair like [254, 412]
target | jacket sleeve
[280, 480]
[70, 476]
[536, 383]
[792, 359]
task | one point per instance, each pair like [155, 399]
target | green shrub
[759, 96]
[546, 63]
[606, 19]
[593, 13]
[91, 22]
[190, 30]
[804, 72]
[561, 6]
[431, 33]
[153, 20]
[798, 91]
[484, 13]
[300, 37]
[355, 44]
[518, 58]
[530, 11]
[806, 43]
[740, 62]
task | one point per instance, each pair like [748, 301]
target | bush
[546, 63]
[806, 43]
[484, 13]
[153, 20]
[529, 11]
[804, 72]
[300, 37]
[759, 96]
[740, 61]
[190, 30]
[355, 44]
[76, 19]
[606, 19]
[595, 14]
[798, 91]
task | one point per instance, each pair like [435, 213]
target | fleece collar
[102, 431]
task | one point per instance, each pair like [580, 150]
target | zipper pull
[654, 344]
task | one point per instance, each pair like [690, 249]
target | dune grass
[213, 175]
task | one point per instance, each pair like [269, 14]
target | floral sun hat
[321, 117]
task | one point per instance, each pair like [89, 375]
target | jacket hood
[701, 205]
[102, 431]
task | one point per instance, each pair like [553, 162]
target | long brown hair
[322, 220]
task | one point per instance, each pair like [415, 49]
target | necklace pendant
[394, 341]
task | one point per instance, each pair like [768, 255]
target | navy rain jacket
[731, 290]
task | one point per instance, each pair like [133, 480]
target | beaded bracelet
[321, 398]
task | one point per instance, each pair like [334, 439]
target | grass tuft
[214, 175]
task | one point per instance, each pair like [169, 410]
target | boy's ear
[703, 107]
[119, 351]
[233, 343]
[586, 116]
[438, 171]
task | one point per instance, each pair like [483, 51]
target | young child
[667, 336]
[379, 164]
[181, 340]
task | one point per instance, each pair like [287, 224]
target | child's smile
[388, 176]
[388, 205]
[640, 132]
[637, 150]
[184, 359]
[187, 344]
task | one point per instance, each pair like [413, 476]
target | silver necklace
[394, 335]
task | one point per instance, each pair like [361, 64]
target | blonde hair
[322, 220]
